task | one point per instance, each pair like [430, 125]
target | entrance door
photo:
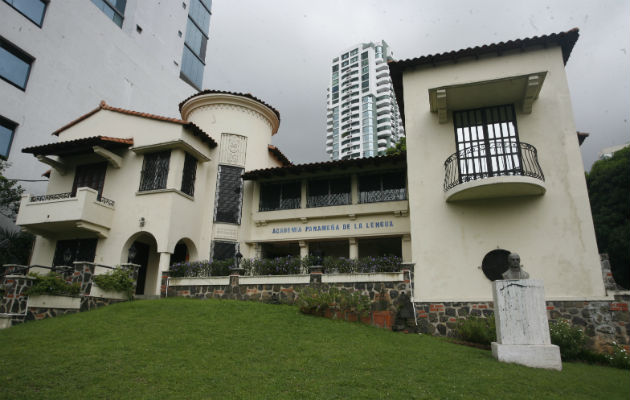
[142, 259]
[90, 175]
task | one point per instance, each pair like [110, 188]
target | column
[303, 248]
[164, 264]
[303, 193]
[354, 188]
[406, 248]
[354, 248]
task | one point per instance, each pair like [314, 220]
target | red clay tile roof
[104, 106]
[279, 156]
[78, 146]
[248, 95]
[325, 166]
[566, 40]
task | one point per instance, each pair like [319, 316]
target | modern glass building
[362, 115]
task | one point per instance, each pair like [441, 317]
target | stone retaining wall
[604, 321]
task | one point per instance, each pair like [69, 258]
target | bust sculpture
[515, 270]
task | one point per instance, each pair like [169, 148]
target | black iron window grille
[189, 174]
[488, 145]
[223, 250]
[229, 197]
[90, 175]
[388, 186]
[69, 251]
[155, 171]
[328, 192]
[280, 196]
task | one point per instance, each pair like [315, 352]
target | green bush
[313, 300]
[52, 284]
[118, 280]
[477, 330]
[571, 339]
[201, 268]
[619, 357]
[273, 266]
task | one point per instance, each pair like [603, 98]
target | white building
[362, 114]
[60, 58]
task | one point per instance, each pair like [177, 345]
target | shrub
[273, 266]
[117, 280]
[477, 330]
[316, 301]
[571, 339]
[52, 284]
[619, 357]
[201, 268]
[362, 265]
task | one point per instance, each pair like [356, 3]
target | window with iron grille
[229, 195]
[90, 175]
[280, 196]
[223, 250]
[487, 142]
[155, 171]
[328, 192]
[386, 186]
[189, 174]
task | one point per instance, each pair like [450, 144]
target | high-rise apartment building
[59, 59]
[362, 115]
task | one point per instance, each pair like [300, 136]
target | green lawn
[192, 349]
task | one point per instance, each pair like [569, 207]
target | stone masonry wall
[602, 321]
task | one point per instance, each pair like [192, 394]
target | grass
[192, 349]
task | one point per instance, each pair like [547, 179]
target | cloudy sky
[281, 51]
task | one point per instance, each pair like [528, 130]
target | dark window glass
[31, 9]
[229, 195]
[69, 251]
[280, 196]
[196, 40]
[90, 175]
[487, 142]
[7, 130]
[200, 15]
[195, 43]
[114, 9]
[15, 65]
[155, 171]
[328, 192]
[189, 174]
[192, 69]
[223, 250]
[388, 186]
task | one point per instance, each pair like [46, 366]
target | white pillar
[406, 248]
[303, 248]
[354, 248]
[164, 264]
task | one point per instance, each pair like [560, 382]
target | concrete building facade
[362, 114]
[60, 58]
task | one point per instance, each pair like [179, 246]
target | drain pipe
[413, 301]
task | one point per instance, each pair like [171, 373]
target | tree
[10, 194]
[609, 191]
[400, 147]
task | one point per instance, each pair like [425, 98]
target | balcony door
[487, 142]
[90, 175]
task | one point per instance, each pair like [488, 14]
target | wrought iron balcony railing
[489, 160]
[68, 195]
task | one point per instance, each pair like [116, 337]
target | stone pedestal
[522, 326]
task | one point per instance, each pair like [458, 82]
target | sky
[281, 51]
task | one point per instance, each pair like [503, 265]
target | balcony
[62, 214]
[493, 171]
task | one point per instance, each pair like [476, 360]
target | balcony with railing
[493, 170]
[73, 214]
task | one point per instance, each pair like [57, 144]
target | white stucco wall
[81, 58]
[553, 233]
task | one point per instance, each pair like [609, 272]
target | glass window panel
[200, 15]
[155, 171]
[7, 129]
[192, 68]
[195, 40]
[31, 9]
[14, 65]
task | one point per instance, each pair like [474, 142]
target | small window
[328, 192]
[69, 251]
[280, 196]
[223, 250]
[189, 174]
[7, 130]
[31, 9]
[15, 64]
[229, 195]
[388, 186]
[114, 9]
[155, 171]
